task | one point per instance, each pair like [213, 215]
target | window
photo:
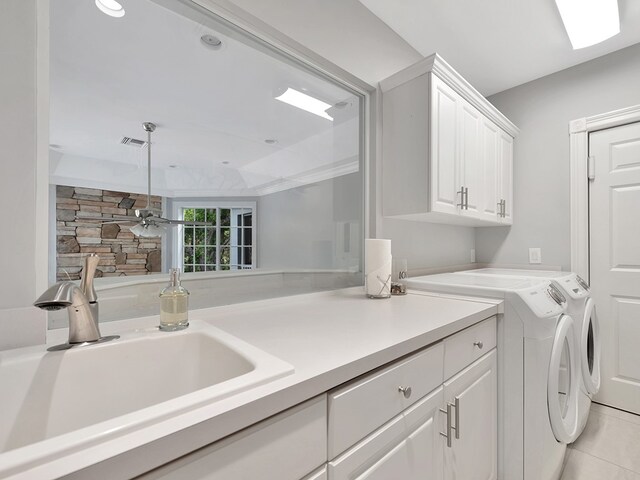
[228, 243]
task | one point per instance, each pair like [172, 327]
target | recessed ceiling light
[225, 163]
[173, 166]
[271, 141]
[211, 41]
[110, 7]
[341, 104]
[305, 102]
[589, 21]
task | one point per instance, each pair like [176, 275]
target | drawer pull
[479, 345]
[406, 391]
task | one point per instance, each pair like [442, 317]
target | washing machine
[538, 387]
[576, 294]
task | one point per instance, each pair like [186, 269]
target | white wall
[543, 109]
[18, 28]
[349, 35]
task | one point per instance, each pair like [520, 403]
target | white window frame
[177, 213]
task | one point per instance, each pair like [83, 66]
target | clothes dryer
[538, 386]
[580, 306]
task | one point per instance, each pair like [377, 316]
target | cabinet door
[490, 165]
[473, 454]
[470, 160]
[506, 176]
[409, 447]
[444, 177]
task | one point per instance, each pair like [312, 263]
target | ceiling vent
[134, 142]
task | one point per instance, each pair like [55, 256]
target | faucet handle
[88, 273]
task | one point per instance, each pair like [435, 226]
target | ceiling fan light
[147, 230]
[589, 21]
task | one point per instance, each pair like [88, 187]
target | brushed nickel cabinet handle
[447, 435]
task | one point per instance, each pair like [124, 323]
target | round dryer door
[563, 386]
[590, 349]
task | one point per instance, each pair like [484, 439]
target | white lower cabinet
[447, 434]
[409, 447]
[285, 447]
[473, 396]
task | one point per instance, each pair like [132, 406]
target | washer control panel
[573, 286]
[544, 300]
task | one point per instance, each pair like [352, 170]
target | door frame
[579, 131]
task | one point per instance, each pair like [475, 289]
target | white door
[444, 148]
[409, 447]
[505, 175]
[473, 454]
[471, 171]
[489, 154]
[614, 225]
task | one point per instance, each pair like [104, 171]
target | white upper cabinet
[447, 152]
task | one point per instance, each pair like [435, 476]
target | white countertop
[328, 337]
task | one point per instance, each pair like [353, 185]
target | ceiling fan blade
[103, 221]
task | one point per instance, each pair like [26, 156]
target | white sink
[82, 394]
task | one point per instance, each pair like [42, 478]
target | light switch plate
[535, 255]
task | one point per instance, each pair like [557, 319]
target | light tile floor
[608, 449]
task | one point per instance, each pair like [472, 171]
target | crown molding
[436, 65]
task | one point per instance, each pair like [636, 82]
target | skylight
[305, 102]
[589, 21]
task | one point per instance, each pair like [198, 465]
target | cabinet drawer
[284, 447]
[358, 408]
[465, 347]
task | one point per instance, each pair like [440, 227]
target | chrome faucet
[81, 304]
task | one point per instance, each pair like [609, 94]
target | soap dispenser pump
[174, 304]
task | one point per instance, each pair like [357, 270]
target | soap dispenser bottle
[174, 304]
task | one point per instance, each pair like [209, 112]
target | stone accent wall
[80, 231]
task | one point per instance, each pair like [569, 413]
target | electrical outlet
[472, 256]
[535, 255]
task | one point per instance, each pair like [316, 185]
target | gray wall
[349, 35]
[543, 109]
[304, 227]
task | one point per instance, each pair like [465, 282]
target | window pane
[188, 255]
[199, 268]
[211, 256]
[199, 255]
[225, 233]
[199, 235]
[225, 217]
[225, 255]
[188, 268]
[211, 216]
[211, 268]
[199, 217]
[188, 214]
[211, 236]
[247, 219]
[224, 267]
[246, 256]
[188, 235]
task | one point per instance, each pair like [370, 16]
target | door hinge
[591, 167]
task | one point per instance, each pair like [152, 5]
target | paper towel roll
[378, 267]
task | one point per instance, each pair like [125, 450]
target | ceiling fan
[149, 221]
